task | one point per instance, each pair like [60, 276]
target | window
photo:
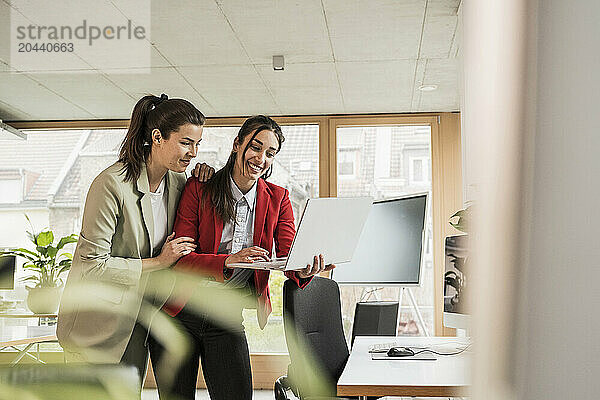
[46, 177]
[395, 161]
[419, 170]
[347, 163]
[11, 189]
[304, 165]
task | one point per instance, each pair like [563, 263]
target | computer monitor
[390, 248]
[456, 282]
[7, 272]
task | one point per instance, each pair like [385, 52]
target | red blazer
[273, 220]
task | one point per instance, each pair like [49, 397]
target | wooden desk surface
[16, 335]
[447, 376]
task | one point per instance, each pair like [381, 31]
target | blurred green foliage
[276, 281]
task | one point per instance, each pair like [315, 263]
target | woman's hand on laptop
[317, 267]
[248, 255]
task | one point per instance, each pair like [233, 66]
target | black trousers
[137, 351]
[223, 353]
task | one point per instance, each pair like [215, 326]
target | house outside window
[11, 188]
[419, 170]
[347, 163]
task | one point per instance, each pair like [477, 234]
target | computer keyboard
[381, 347]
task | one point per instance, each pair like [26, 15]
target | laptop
[330, 226]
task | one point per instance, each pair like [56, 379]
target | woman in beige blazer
[126, 235]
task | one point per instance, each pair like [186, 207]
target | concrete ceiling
[341, 57]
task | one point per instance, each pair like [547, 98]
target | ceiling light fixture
[8, 132]
[278, 63]
[427, 88]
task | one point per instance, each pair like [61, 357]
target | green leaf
[23, 250]
[461, 226]
[67, 256]
[18, 254]
[63, 269]
[459, 213]
[464, 216]
[32, 235]
[66, 240]
[42, 250]
[51, 251]
[45, 238]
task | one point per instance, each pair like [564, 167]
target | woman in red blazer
[235, 217]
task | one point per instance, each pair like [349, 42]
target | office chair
[71, 381]
[313, 324]
[375, 318]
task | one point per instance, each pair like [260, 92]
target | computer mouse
[400, 352]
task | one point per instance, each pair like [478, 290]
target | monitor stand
[414, 305]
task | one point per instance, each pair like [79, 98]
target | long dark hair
[151, 112]
[218, 189]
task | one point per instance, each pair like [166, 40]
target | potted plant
[464, 216]
[46, 264]
[455, 280]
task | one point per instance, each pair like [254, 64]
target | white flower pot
[43, 300]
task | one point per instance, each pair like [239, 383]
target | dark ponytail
[218, 188]
[151, 112]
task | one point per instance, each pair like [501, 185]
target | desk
[448, 376]
[22, 313]
[13, 336]
[43, 319]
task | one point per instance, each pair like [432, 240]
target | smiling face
[257, 159]
[176, 152]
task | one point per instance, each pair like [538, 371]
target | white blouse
[159, 214]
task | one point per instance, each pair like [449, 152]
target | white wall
[561, 357]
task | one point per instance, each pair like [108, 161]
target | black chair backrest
[375, 318]
[313, 322]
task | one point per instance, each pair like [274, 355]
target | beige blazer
[105, 286]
